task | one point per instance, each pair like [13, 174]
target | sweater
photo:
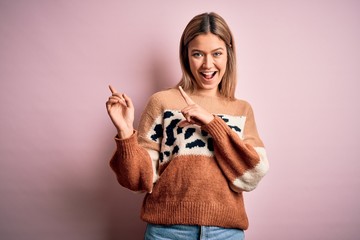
[192, 175]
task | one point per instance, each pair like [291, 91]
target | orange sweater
[192, 175]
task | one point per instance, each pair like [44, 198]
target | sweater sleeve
[243, 161]
[132, 165]
[136, 159]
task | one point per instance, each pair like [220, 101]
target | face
[207, 58]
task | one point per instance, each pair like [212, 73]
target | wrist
[122, 134]
[209, 119]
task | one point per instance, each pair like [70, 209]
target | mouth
[208, 75]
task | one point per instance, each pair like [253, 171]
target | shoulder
[242, 102]
[241, 106]
[168, 98]
[165, 99]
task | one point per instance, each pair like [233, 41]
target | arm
[131, 162]
[132, 165]
[243, 161]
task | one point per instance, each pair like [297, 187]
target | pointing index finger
[187, 99]
[112, 89]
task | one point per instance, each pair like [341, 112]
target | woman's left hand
[193, 113]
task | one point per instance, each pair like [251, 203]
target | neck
[207, 92]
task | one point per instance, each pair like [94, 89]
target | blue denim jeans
[191, 232]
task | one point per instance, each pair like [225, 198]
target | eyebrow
[197, 50]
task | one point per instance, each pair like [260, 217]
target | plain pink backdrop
[299, 66]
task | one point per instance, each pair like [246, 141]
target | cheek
[194, 66]
[222, 65]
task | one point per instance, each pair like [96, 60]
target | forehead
[208, 41]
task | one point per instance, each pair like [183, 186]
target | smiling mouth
[208, 75]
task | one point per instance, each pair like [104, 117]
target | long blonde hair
[215, 24]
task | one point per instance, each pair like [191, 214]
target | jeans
[191, 232]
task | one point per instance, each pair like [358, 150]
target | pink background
[299, 66]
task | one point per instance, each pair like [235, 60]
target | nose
[208, 62]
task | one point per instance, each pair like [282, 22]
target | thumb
[184, 123]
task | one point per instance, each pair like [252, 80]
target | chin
[208, 86]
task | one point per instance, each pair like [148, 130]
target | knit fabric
[192, 175]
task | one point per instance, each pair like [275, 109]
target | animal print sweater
[192, 175]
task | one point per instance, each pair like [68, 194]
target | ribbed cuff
[217, 128]
[126, 147]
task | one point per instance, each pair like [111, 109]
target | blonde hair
[215, 24]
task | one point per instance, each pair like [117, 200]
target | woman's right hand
[121, 111]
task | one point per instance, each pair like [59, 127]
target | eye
[217, 54]
[197, 54]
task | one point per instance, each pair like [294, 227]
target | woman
[197, 148]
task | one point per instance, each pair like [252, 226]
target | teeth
[208, 73]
